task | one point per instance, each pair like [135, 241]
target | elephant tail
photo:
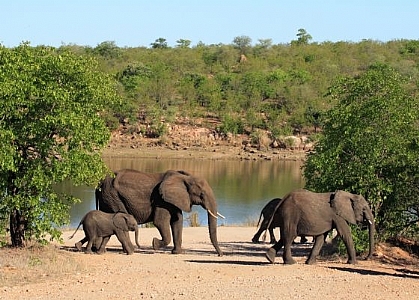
[260, 218]
[71, 236]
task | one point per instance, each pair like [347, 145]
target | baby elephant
[266, 213]
[99, 226]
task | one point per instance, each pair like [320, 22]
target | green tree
[264, 43]
[51, 130]
[303, 37]
[107, 49]
[160, 43]
[242, 43]
[370, 146]
[182, 43]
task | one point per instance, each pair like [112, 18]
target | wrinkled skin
[306, 213]
[99, 226]
[267, 214]
[159, 198]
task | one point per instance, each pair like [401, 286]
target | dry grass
[193, 220]
[19, 266]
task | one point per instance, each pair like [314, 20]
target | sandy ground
[242, 273]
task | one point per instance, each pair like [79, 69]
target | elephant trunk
[136, 237]
[371, 228]
[212, 227]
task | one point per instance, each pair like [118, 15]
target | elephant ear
[173, 189]
[120, 221]
[342, 204]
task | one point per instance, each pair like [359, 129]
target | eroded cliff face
[205, 138]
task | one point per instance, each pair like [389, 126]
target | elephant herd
[132, 197]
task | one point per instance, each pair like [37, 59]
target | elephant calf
[267, 213]
[99, 226]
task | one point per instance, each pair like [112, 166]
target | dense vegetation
[370, 146]
[359, 100]
[279, 88]
[50, 131]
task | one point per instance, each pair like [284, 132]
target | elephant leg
[123, 238]
[256, 237]
[288, 238]
[271, 253]
[89, 246]
[176, 225]
[345, 233]
[318, 244]
[129, 242]
[162, 223]
[96, 244]
[272, 236]
[287, 256]
[102, 247]
[80, 243]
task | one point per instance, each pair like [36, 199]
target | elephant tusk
[220, 215]
[369, 221]
[210, 212]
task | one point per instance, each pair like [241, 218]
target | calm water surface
[242, 188]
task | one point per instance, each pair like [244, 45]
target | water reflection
[242, 188]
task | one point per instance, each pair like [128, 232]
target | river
[242, 188]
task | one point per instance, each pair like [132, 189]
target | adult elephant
[303, 212]
[267, 213]
[159, 198]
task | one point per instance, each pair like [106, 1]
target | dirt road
[242, 273]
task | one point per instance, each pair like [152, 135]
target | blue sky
[136, 23]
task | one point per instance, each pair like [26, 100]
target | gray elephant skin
[303, 212]
[99, 226]
[159, 198]
[267, 213]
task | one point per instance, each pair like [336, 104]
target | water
[241, 188]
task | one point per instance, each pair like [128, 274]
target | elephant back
[133, 191]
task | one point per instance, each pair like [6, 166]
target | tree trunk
[17, 228]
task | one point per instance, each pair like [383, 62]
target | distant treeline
[281, 88]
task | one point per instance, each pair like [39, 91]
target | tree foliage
[51, 129]
[285, 96]
[370, 146]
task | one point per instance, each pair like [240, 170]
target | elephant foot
[78, 246]
[177, 251]
[255, 241]
[352, 261]
[289, 261]
[310, 261]
[129, 251]
[270, 255]
[89, 252]
[158, 244]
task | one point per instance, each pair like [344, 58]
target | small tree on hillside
[370, 146]
[50, 131]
